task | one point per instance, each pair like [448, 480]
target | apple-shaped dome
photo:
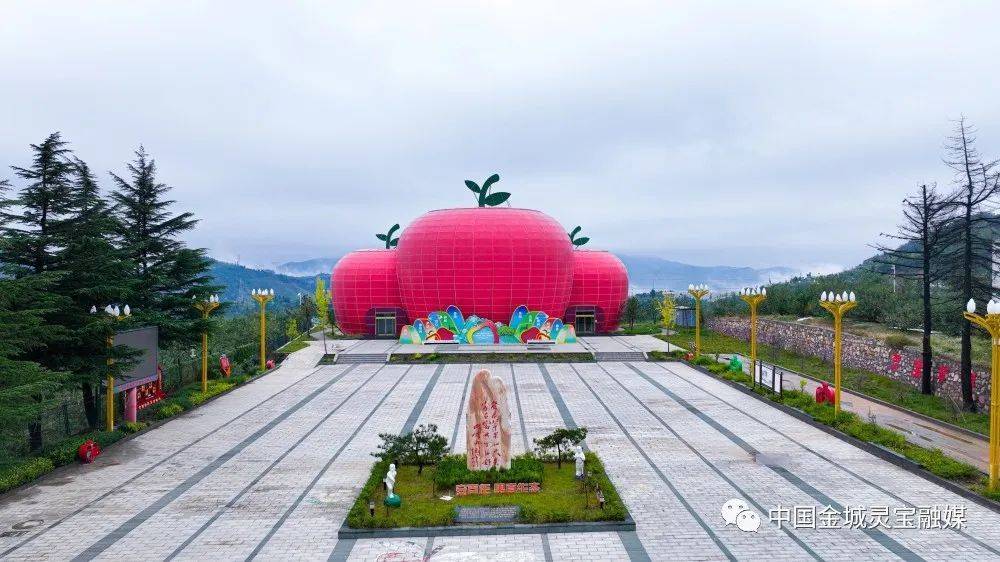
[485, 260]
[600, 286]
[364, 282]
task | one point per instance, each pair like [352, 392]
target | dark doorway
[385, 324]
[585, 324]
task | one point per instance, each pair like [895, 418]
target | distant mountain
[239, 281]
[315, 266]
[645, 273]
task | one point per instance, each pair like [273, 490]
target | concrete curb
[628, 524]
[876, 450]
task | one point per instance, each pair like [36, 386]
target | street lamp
[205, 307]
[991, 323]
[698, 292]
[263, 296]
[117, 314]
[837, 305]
[753, 296]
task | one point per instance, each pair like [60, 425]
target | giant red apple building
[486, 261]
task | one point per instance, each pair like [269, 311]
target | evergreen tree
[38, 227]
[26, 388]
[94, 274]
[166, 273]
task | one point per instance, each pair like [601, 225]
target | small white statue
[579, 456]
[390, 480]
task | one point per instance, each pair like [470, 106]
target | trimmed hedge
[932, 460]
[358, 516]
[24, 471]
[453, 469]
[65, 451]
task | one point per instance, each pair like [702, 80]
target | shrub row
[65, 451]
[453, 469]
[933, 460]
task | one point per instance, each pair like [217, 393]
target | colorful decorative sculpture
[451, 325]
[88, 451]
[225, 366]
[824, 393]
[735, 364]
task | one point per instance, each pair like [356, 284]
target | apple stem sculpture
[753, 296]
[991, 323]
[698, 292]
[205, 307]
[263, 296]
[837, 305]
[117, 314]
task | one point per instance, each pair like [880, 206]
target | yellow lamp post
[118, 314]
[991, 323]
[205, 307]
[837, 305]
[698, 292]
[263, 296]
[753, 296]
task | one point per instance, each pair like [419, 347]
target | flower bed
[561, 498]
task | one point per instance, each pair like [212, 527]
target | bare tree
[918, 245]
[971, 260]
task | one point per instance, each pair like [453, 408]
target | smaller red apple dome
[600, 286]
[364, 282]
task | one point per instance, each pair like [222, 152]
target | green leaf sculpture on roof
[390, 242]
[483, 195]
[577, 242]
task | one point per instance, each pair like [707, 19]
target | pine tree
[38, 227]
[924, 238]
[26, 388]
[29, 238]
[167, 274]
[972, 260]
[94, 274]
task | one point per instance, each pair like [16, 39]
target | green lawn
[561, 499]
[865, 382]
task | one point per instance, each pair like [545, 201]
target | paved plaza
[269, 470]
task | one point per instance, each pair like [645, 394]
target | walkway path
[269, 471]
[919, 430]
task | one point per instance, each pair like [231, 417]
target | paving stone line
[458, 417]
[284, 516]
[701, 522]
[821, 455]
[520, 413]
[248, 487]
[885, 540]
[107, 540]
[707, 462]
[344, 547]
[419, 406]
[144, 471]
[638, 552]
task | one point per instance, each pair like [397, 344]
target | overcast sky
[738, 133]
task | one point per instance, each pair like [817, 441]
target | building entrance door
[585, 324]
[385, 324]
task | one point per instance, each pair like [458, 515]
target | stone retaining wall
[860, 353]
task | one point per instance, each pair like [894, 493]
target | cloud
[747, 134]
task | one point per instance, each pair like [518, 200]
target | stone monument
[487, 424]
